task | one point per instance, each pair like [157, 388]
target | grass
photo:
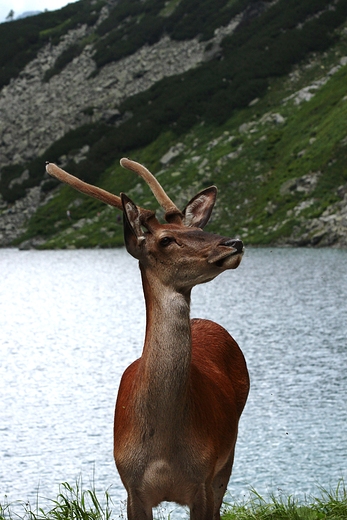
[72, 503]
[331, 505]
[75, 503]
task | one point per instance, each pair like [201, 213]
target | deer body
[179, 404]
[189, 435]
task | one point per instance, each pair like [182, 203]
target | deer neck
[166, 357]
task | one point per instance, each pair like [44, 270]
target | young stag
[179, 404]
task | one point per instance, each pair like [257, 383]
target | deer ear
[133, 234]
[198, 211]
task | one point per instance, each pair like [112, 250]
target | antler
[172, 213]
[84, 187]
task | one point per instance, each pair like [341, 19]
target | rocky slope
[34, 113]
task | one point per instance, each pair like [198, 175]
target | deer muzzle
[227, 249]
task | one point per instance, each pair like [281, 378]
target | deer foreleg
[136, 509]
[203, 505]
[220, 483]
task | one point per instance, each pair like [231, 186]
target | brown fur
[179, 404]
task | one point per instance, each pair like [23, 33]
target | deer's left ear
[198, 211]
[133, 234]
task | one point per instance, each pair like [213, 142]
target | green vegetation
[276, 162]
[75, 503]
[72, 503]
[129, 26]
[64, 59]
[255, 159]
[330, 505]
[21, 39]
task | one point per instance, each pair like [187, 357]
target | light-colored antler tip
[124, 161]
[49, 167]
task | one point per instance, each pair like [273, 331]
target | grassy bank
[75, 503]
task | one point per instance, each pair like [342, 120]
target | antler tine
[171, 210]
[84, 187]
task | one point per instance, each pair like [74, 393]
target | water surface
[71, 321]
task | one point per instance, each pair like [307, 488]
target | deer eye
[165, 241]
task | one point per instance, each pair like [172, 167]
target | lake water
[71, 321]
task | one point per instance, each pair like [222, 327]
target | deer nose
[235, 243]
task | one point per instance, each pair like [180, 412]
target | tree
[10, 15]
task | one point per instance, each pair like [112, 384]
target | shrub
[64, 59]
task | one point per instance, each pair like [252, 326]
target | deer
[179, 404]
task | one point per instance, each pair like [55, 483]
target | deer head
[179, 252]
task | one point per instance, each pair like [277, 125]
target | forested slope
[261, 112]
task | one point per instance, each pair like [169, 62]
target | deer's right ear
[133, 234]
[198, 211]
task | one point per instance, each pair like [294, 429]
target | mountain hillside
[248, 95]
